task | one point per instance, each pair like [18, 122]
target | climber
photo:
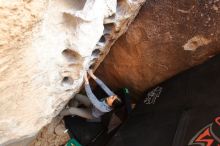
[95, 108]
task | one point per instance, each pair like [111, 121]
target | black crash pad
[182, 111]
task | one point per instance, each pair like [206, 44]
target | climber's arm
[91, 96]
[101, 84]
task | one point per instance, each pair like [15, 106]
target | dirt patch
[52, 135]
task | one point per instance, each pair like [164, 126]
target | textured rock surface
[45, 48]
[166, 37]
[51, 135]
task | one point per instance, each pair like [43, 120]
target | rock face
[166, 37]
[45, 48]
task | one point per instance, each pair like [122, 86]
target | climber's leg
[82, 99]
[81, 112]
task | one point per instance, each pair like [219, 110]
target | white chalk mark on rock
[196, 42]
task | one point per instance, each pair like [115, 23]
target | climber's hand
[91, 74]
[86, 78]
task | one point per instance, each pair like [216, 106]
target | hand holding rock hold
[86, 78]
[91, 74]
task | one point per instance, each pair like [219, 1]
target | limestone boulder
[166, 38]
[45, 49]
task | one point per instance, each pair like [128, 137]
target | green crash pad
[72, 142]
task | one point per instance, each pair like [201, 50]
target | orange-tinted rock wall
[167, 37]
